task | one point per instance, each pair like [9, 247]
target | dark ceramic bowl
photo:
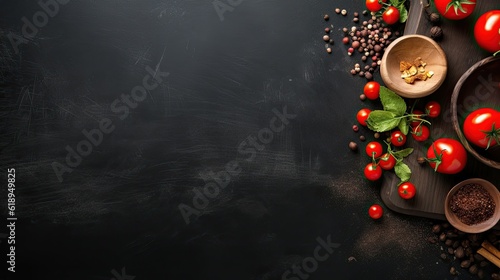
[479, 87]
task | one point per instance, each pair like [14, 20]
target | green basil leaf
[392, 102]
[381, 121]
[403, 14]
[399, 155]
[395, 3]
[403, 126]
[402, 171]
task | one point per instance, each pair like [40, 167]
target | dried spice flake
[412, 71]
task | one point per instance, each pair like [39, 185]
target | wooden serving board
[462, 52]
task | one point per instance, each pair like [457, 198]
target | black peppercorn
[434, 18]
[436, 32]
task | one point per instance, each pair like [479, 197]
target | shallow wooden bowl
[408, 48]
[477, 88]
[477, 228]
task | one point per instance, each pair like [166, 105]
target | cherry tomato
[487, 31]
[447, 156]
[372, 90]
[372, 172]
[373, 149]
[407, 190]
[455, 9]
[374, 5]
[416, 114]
[482, 127]
[398, 139]
[420, 133]
[391, 15]
[387, 161]
[375, 211]
[362, 115]
[432, 109]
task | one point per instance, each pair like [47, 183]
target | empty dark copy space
[191, 140]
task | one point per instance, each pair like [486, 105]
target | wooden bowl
[477, 88]
[480, 227]
[408, 48]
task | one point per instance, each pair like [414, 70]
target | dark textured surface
[119, 207]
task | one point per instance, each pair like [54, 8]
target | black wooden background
[220, 76]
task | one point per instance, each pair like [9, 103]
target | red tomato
[372, 172]
[482, 127]
[387, 161]
[407, 190]
[487, 31]
[362, 115]
[417, 114]
[432, 109]
[374, 5]
[375, 211]
[420, 133]
[372, 90]
[373, 149]
[391, 15]
[398, 139]
[447, 156]
[455, 9]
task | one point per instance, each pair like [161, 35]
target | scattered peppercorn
[434, 18]
[421, 160]
[353, 146]
[326, 17]
[436, 32]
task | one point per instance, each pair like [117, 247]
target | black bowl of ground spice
[473, 205]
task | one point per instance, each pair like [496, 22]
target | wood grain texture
[408, 48]
[462, 53]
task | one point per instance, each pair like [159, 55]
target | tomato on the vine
[362, 115]
[374, 5]
[375, 211]
[372, 90]
[432, 109]
[420, 133]
[487, 31]
[373, 149]
[398, 139]
[455, 9]
[391, 15]
[417, 114]
[372, 171]
[482, 127]
[447, 156]
[387, 161]
[407, 190]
